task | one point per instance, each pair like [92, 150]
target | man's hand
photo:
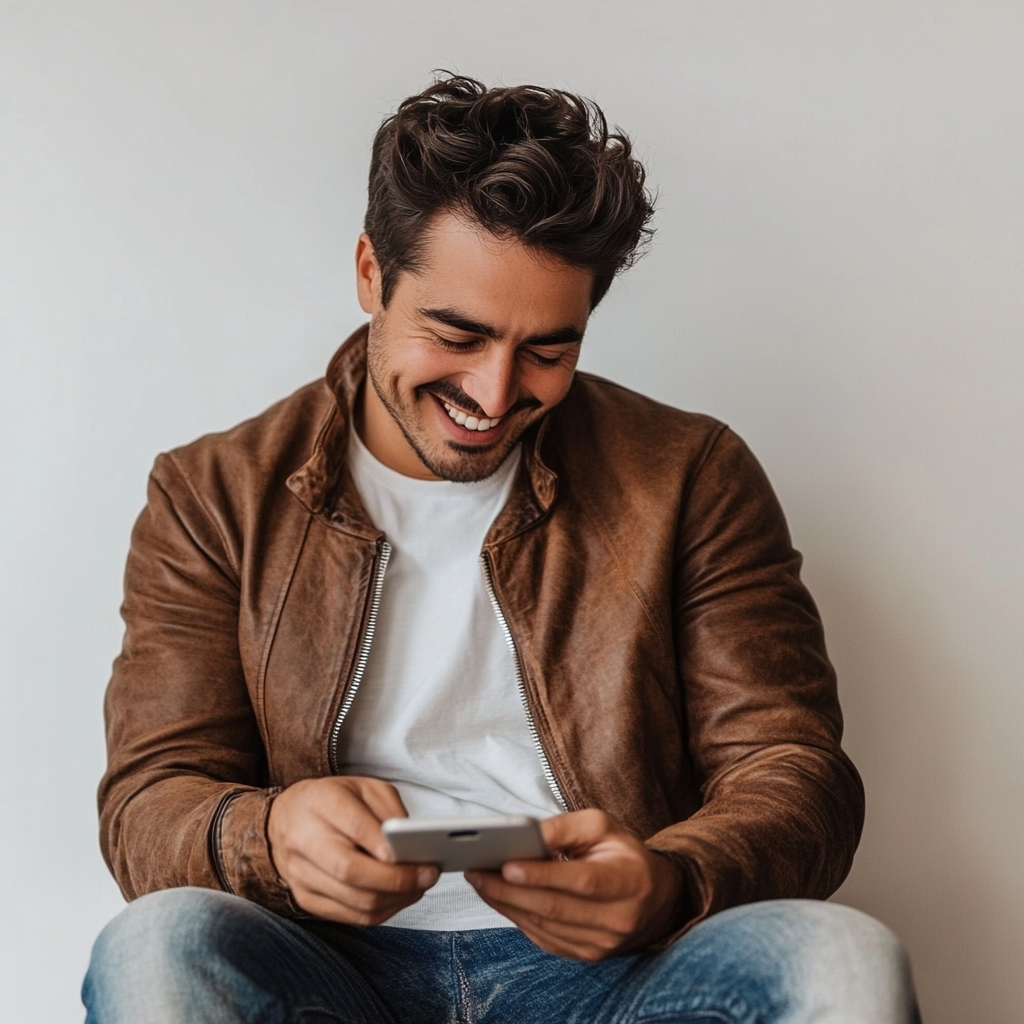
[327, 845]
[612, 896]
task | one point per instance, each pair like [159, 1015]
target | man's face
[472, 349]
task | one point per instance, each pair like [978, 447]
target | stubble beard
[464, 464]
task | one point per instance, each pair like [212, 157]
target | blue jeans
[194, 956]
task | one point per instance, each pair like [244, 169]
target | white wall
[838, 274]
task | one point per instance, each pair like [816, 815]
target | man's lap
[201, 956]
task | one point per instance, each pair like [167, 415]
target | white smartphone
[465, 844]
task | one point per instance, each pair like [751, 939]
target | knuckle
[548, 908]
[395, 882]
[537, 919]
[405, 880]
[623, 924]
[341, 869]
[366, 902]
[383, 901]
[305, 901]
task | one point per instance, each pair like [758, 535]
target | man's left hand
[613, 895]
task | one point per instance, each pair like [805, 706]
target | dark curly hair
[538, 165]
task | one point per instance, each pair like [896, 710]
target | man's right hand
[327, 845]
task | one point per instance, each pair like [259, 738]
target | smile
[470, 422]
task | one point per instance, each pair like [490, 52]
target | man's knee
[161, 947]
[852, 960]
[823, 961]
[826, 938]
[166, 926]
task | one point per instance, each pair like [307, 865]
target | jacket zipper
[383, 554]
[545, 764]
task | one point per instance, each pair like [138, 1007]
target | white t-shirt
[438, 712]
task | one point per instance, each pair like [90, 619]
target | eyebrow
[461, 322]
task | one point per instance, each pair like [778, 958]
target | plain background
[838, 273]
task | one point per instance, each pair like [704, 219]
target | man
[459, 578]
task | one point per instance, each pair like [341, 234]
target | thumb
[577, 831]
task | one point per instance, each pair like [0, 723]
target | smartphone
[465, 844]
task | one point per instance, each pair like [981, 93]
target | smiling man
[470, 352]
[458, 578]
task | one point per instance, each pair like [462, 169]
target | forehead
[465, 265]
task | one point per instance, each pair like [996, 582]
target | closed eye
[472, 344]
[540, 360]
[455, 346]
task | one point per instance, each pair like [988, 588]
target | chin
[465, 464]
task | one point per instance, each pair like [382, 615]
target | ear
[368, 285]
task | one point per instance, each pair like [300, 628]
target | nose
[493, 382]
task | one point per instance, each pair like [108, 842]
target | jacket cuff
[696, 901]
[240, 848]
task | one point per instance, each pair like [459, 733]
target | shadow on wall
[919, 867]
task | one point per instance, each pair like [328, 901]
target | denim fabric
[203, 957]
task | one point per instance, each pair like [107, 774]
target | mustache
[449, 393]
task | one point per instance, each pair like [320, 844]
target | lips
[469, 421]
[469, 428]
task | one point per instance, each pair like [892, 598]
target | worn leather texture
[674, 662]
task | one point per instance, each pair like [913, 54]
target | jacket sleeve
[181, 802]
[783, 806]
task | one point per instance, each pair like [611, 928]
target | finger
[382, 798]
[312, 888]
[313, 880]
[331, 909]
[347, 813]
[596, 879]
[341, 862]
[588, 943]
[578, 944]
[553, 944]
[555, 905]
[577, 830]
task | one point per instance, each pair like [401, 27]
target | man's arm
[184, 800]
[782, 804]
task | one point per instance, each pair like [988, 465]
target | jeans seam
[463, 1009]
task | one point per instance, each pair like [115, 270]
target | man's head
[497, 220]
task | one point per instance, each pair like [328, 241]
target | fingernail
[513, 873]
[425, 877]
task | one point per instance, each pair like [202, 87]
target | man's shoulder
[601, 420]
[264, 448]
[631, 460]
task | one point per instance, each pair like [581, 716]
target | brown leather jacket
[673, 662]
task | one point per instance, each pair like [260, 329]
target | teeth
[470, 422]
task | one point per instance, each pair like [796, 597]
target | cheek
[416, 364]
[548, 386]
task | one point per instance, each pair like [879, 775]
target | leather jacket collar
[325, 486]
